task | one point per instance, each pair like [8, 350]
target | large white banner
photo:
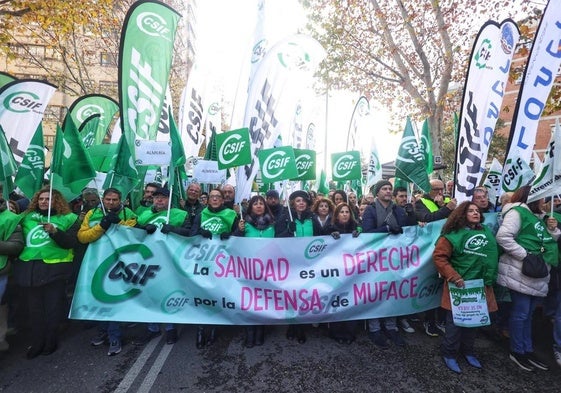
[481, 105]
[539, 77]
[128, 275]
[22, 105]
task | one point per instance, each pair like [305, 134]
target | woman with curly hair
[323, 209]
[44, 265]
[258, 221]
[458, 258]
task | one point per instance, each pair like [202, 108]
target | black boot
[200, 343]
[211, 336]
[259, 335]
[249, 336]
[291, 332]
[51, 344]
[300, 334]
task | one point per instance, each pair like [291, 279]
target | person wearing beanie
[384, 216]
[298, 222]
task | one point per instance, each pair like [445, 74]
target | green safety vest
[533, 235]
[251, 231]
[218, 223]
[304, 228]
[8, 223]
[38, 243]
[475, 254]
[176, 217]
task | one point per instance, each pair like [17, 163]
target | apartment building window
[30, 76]
[108, 88]
[53, 113]
[49, 141]
[108, 60]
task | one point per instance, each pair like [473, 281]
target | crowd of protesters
[43, 240]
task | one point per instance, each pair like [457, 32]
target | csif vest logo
[344, 165]
[23, 102]
[213, 224]
[230, 149]
[87, 110]
[275, 164]
[153, 25]
[475, 242]
[303, 164]
[37, 237]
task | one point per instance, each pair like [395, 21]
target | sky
[225, 31]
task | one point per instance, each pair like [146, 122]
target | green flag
[323, 186]
[71, 166]
[305, 164]
[426, 146]
[32, 168]
[177, 174]
[233, 148]
[123, 174]
[277, 164]
[410, 161]
[88, 130]
[8, 165]
[211, 153]
[346, 166]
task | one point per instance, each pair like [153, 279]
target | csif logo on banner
[259, 51]
[153, 25]
[114, 269]
[23, 102]
[346, 166]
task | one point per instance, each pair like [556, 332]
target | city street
[319, 365]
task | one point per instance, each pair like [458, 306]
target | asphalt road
[319, 365]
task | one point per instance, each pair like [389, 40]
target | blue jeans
[155, 327]
[3, 284]
[113, 330]
[520, 323]
[557, 322]
[375, 326]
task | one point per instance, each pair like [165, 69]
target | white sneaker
[404, 324]
[557, 356]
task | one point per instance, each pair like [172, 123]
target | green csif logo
[22, 102]
[114, 269]
[315, 248]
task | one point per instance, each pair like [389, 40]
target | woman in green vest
[49, 229]
[214, 220]
[300, 221]
[466, 250]
[258, 222]
[11, 244]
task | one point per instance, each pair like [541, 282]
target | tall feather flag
[286, 66]
[493, 180]
[426, 145]
[487, 75]
[548, 182]
[32, 168]
[71, 167]
[410, 161]
[539, 77]
[84, 107]
[8, 165]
